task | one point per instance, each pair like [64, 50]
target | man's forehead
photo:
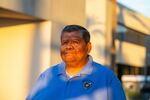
[74, 34]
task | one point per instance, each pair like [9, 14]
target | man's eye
[69, 42]
[76, 42]
[65, 42]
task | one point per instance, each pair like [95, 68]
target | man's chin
[68, 60]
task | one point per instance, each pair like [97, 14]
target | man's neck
[74, 68]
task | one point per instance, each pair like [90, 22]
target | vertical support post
[147, 56]
[110, 35]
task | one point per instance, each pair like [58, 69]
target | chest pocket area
[81, 87]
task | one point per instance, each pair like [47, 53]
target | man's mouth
[68, 53]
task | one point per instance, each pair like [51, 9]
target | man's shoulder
[103, 72]
[102, 69]
[51, 70]
[53, 67]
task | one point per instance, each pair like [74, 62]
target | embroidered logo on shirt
[87, 84]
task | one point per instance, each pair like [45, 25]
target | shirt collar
[88, 68]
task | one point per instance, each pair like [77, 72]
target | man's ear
[89, 47]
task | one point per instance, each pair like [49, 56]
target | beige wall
[96, 22]
[24, 51]
[63, 11]
[68, 11]
[134, 20]
[130, 54]
[29, 46]
[37, 8]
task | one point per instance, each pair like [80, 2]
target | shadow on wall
[35, 57]
[35, 68]
[97, 30]
[55, 42]
[6, 22]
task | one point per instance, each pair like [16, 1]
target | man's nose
[69, 45]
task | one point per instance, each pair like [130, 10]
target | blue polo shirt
[94, 82]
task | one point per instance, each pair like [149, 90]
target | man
[78, 77]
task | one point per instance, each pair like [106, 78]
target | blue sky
[142, 6]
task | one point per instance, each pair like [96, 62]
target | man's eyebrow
[77, 37]
[72, 39]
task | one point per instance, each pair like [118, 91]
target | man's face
[73, 47]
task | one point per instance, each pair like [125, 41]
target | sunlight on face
[73, 47]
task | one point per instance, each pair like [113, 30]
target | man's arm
[116, 91]
[39, 84]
